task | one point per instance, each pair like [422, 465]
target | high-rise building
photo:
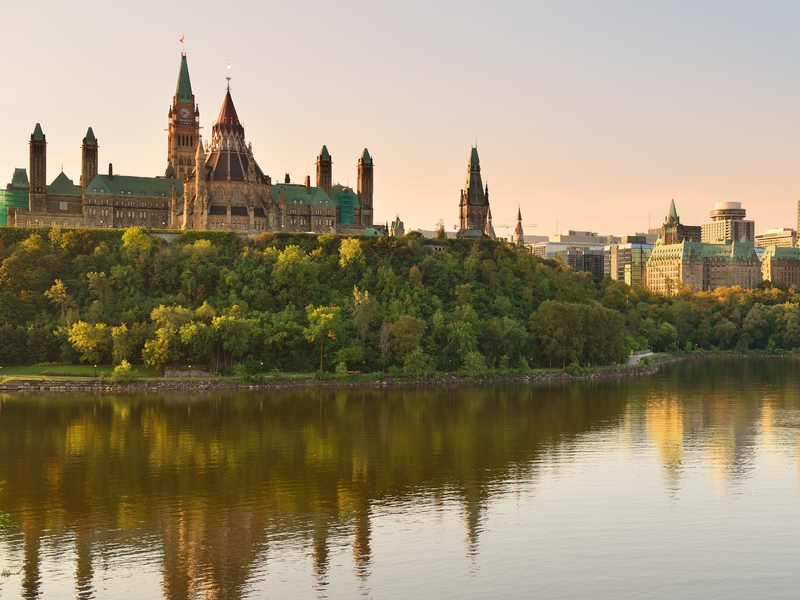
[728, 223]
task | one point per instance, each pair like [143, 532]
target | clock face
[185, 114]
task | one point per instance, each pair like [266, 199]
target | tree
[92, 341]
[365, 309]
[407, 334]
[156, 353]
[350, 253]
[323, 322]
[58, 295]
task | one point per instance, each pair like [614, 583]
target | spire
[183, 91]
[90, 139]
[170, 172]
[519, 215]
[37, 133]
[324, 154]
[365, 157]
[519, 235]
[474, 161]
[673, 214]
[228, 119]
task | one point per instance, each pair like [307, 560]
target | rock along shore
[84, 387]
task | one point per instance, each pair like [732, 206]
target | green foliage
[341, 370]
[575, 369]
[321, 375]
[212, 298]
[474, 365]
[123, 373]
[417, 364]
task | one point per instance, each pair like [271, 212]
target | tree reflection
[213, 481]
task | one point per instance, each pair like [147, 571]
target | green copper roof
[728, 251]
[126, 186]
[37, 132]
[184, 89]
[474, 161]
[323, 154]
[297, 195]
[90, 139]
[778, 252]
[63, 186]
[20, 179]
[372, 232]
[365, 157]
[673, 214]
[338, 190]
[170, 172]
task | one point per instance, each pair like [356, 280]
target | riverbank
[151, 386]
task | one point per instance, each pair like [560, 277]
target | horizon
[588, 118]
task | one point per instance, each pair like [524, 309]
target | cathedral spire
[519, 235]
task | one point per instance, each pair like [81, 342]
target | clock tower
[184, 125]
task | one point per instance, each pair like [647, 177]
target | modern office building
[626, 261]
[567, 240]
[728, 223]
[15, 195]
[785, 237]
[583, 260]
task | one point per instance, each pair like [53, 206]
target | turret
[325, 171]
[365, 187]
[184, 124]
[38, 170]
[89, 159]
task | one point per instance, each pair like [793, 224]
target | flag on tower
[182, 38]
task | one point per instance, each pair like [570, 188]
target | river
[682, 484]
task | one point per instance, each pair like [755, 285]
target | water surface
[684, 484]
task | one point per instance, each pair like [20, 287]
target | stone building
[781, 265]
[702, 267]
[474, 213]
[216, 186]
[672, 231]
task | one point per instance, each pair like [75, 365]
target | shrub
[523, 368]
[575, 369]
[321, 376]
[645, 362]
[417, 364]
[395, 371]
[123, 373]
[341, 370]
[474, 365]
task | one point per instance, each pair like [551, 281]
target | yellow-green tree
[323, 322]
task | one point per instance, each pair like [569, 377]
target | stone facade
[474, 213]
[702, 267]
[781, 265]
[217, 186]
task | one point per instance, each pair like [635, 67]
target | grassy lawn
[69, 371]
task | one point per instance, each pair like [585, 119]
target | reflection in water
[213, 484]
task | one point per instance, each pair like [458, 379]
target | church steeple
[184, 124]
[89, 159]
[325, 171]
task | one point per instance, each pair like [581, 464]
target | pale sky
[590, 115]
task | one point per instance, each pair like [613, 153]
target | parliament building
[216, 184]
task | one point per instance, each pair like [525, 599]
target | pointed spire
[170, 172]
[183, 91]
[365, 157]
[673, 214]
[324, 154]
[228, 119]
[519, 214]
[488, 229]
[90, 139]
[474, 161]
[37, 133]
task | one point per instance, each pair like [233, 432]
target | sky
[588, 115]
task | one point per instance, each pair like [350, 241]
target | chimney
[308, 184]
[287, 179]
[110, 172]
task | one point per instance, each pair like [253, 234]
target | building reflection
[212, 482]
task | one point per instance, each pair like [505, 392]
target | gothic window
[77, 223]
[64, 224]
[52, 223]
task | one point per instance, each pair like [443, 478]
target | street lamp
[95, 371]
